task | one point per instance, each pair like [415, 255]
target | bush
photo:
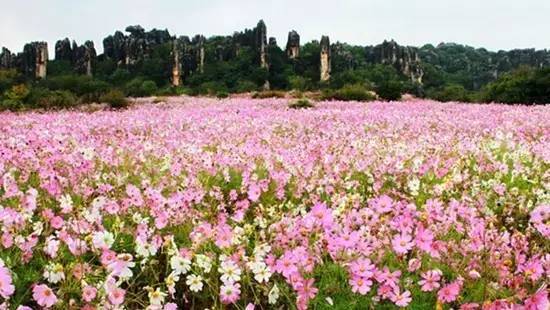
[18, 93]
[245, 86]
[43, 98]
[354, 92]
[140, 88]
[269, 94]
[390, 90]
[211, 88]
[60, 98]
[10, 104]
[301, 104]
[8, 78]
[453, 92]
[115, 98]
[299, 83]
[222, 94]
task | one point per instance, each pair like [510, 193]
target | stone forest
[143, 63]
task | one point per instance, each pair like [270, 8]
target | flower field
[246, 204]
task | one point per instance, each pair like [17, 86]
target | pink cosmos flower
[306, 290]
[430, 280]
[449, 293]
[402, 244]
[6, 287]
[44, 296]
[401, 299]
[360, 285]
[230, 292]
[414, 265]
[538, 301]
[254, 192]
[170, 306]
[89, 293]
[116, 296]
[362, 267]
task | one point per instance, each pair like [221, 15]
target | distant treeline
[145, 63]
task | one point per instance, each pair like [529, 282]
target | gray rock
[293, 45]
[326, 65]
[63, 50]
[405, 59]
[7, 59]
[34, 60]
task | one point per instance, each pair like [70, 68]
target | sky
[492, 24]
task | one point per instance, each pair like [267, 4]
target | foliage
[115, 98]
[452, 92]
[8, 78]
[141, 88]
[269, 94]
[47, 99]
[301, 104]
[523, 85]
[355, 92]
[222, 94]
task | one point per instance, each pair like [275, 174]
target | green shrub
[10, 104]
[245, 86]
[115, 98]
[8, 78]
[44, 98]
[222, 94]
[301, 104]
[140, 88]
[269, 94]
[299, 83]
[56, 99]
[453, 92]
[390, 90]
[355, 92]
[18, 93]
[211, 88]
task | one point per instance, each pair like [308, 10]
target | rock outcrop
[34, 60]
[133, 48]
[405, 59]
[64, 50]
[200, 54]
[7, 59]
[176, 62]
[84, 57]
[293, 45]
[325, 59]
[261, 42]
[80, 57]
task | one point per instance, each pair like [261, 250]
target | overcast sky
[494, 24]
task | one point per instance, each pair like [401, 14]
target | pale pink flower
[44, 296]
[449, 293]
[89, 293]
[116, 296]
[402, 244]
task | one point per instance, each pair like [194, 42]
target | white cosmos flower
[204, 262]
[156, 297]
[273, 295]
[103, 240]
[66, 203]
[230, 272]
[262, 275]
[180, 265]
[54, 273]
[194, 282]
